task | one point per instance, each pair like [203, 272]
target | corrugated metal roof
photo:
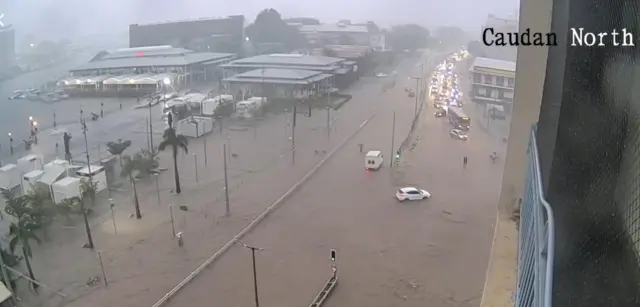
[289, 59]
[278, 76]
[282, 66]
[334, 28]
[278, 73]
[184, 59]
[494, 64]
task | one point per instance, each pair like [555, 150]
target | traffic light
[333, 255]
[398, 154]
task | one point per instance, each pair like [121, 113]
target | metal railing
[536, 239]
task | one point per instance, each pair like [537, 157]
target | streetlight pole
[293, 137]
[83, 122]
[226, 181]
[10, 143]
[393, 137]
[415, 109]
[255, 275]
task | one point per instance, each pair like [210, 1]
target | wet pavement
[380, 242]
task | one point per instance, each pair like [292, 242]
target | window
[500, 81]
[493, 93]
[488, 79]
[482, 91]
[477, 78]
[508, 94]
[511, 82]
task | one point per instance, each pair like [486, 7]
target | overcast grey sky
[54, 18]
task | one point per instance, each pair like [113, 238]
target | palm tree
[171, 139]
[131, 169]
[22, 232]
[87, 188]
[117, 148]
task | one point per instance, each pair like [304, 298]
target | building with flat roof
[7, 49]
[343, 33]
[225, 35]
[279, 83]
[130, 71]
[492, 82]
[343, 70]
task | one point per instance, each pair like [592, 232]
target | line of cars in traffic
[447, 97]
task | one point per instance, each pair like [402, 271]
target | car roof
[408, 189]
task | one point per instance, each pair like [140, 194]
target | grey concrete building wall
[530, 76]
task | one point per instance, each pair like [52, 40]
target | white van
[373, 160]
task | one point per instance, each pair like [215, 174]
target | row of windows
[495, 93]
[494, 80]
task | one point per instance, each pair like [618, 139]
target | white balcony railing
[536, 239]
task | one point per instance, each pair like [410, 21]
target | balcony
[536, 239]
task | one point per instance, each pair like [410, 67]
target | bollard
[179, 237]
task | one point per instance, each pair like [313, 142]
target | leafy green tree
[41, 209]
[22, 232]
[67, 207]
[147, 161]
[23, 229]
[170, 139]
[131, 169]
[270, 28]
[117, 148]
[408, 37]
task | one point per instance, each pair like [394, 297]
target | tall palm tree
[176, 141]
[87, 188]
[117, 148]
[131, 169]
[22, 232]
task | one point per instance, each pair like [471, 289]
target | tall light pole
[255, 275]
[415, 109]
[83, 122]
[10, 143]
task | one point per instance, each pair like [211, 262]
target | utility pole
[329, 111]
[226, 181]
[83, 122]
[415, 109]
[151, 122]
[255, 275]
[393, 137]
[205, 149]
[293, 137]
[148, 134]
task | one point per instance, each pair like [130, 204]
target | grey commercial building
[7, 49]
[223, 35]
[135, 71]
[281, 83]
[343, 72]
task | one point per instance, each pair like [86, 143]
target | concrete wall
[530, 76]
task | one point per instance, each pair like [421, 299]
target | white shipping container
[65, 188]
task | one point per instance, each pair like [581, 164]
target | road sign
[1, 23]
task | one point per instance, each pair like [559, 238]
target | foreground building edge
[500, 284]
